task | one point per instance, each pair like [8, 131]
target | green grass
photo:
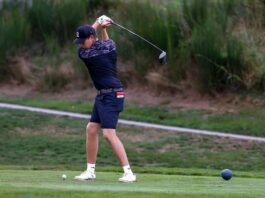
[39, 141]
[49, 184]
[167, 164]
[247, 121]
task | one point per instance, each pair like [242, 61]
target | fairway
[25, 183]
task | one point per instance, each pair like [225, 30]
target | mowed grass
[49, 184]
[247, 121]
[40, 141]
[185, 165]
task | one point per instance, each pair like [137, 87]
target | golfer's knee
[109, 134]
[92, 129]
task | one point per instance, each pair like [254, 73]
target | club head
[163, 57]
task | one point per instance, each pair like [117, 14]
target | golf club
[163, 54]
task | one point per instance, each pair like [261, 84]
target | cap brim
[78, 41]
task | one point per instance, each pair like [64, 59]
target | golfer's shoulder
[106, 46]
[100, 47]
[85, 53]
[109, 44]
[82, 51]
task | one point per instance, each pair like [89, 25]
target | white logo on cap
[77, 34]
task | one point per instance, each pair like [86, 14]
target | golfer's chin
[87, 45]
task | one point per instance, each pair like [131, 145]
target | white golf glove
[104, 20]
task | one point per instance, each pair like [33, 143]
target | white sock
[91, 167]
[127, 169]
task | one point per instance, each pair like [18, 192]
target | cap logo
[77, 34]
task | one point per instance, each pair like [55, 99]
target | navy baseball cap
[83, 32]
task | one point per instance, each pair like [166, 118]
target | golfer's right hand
[104, 20]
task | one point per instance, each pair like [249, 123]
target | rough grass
[37, 140]
[247, 121]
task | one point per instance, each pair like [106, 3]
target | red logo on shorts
[120, 94]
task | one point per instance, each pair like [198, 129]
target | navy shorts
[106, 109]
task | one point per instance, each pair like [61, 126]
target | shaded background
[213, 46]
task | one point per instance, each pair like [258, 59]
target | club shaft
[120, 26]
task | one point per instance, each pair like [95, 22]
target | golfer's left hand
[104, 21]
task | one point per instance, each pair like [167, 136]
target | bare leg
[92, 142]
[116, 145]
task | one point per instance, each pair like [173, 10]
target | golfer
[100, 58]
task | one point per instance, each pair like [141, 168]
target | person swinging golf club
[100, 58]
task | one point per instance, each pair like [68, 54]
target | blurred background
[212, 46]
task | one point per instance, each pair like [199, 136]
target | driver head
[163, 57]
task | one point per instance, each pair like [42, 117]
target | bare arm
[105, 35]
[96, 25]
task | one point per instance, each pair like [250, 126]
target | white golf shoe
[128, 178]
[86, 175]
